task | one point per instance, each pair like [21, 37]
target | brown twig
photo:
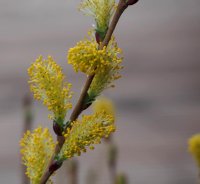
[27, 102]
[79, 107]
[72, 169]
[112, 159]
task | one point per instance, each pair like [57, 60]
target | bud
[88, 101]
[55, 166]
[57, 128]
[122, 179]
[97, 37]
[131, 2]
[87, 105]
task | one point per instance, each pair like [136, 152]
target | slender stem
[120, 9]
[198, 182]
[73, 171]
[28, 121]
[45, 176]
[79, 106]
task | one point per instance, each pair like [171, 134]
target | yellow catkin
[87, 58]
[106, 63]
[36, 149]
[194, 147]
[104, 78]
[47, 84]
[100, 10]
[87, 132]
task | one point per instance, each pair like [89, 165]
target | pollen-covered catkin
[86, 132]
[105, 63]
[47, 84]
[36, 149]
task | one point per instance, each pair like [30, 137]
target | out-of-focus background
[157, 100]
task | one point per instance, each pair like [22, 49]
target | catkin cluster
[48, 84]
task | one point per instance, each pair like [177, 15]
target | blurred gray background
[157, 100]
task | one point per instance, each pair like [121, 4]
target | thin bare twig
[27, 102]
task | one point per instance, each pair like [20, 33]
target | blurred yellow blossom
[36, 149]
[194, 147]
[47, 84]
[86, 132]
[105, 104]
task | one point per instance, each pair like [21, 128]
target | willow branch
[80, 104]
